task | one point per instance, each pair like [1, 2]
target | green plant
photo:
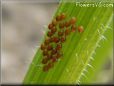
[78, 49]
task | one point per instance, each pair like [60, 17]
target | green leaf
[102, 52]
[77, 49]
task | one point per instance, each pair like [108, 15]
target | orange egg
[80, 29]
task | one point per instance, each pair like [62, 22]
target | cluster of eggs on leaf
[59, 29]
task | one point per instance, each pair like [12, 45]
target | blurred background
[23, 26]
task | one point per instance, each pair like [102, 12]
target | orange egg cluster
[59, 29]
